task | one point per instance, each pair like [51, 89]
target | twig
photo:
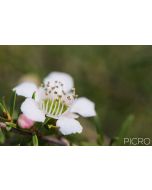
[22, 132]
[54, 141]
[50, 140]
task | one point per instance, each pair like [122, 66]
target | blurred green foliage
[117, 78]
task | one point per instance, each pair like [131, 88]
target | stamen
[58, 108]
[57, 101]
[51, 107]
[48, 84]
[53, 112]
[69, 98]
[63, 92]
[47, 104]
[43, 106]
[61, 109]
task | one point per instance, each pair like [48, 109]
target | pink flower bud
[24, 122]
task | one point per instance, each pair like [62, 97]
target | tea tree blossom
[56, 99]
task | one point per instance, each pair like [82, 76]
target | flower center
[53, 108]
[55, 101]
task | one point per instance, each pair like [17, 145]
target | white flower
[65, 78]
[25, 89]
[56, 99]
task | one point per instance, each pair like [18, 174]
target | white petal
[25, 89]
[31, 110]
[65, 78]
[84, 107]
[70, 115]
[68, 126]
[40, 94]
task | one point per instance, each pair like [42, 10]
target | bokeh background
[117, 78]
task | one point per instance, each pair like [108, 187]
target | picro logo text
[137, 141]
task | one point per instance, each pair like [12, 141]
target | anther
[69, 98]
[63, 92]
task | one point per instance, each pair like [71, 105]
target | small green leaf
[33, 95]
[4, 104]
[46, 121]
[127, 123]
[35, 140]
[12, 103]
[3, 119]
[2, 107]
[99, 129]
[2, 137]
[52, 126]
[10, 125]
[100, 140]
[124, 129]
[8, 128]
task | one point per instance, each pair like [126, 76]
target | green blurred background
[117, 78]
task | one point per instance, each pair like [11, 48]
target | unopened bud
[24, 122]
[2, 125]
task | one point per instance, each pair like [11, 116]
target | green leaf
[33, 95]
[2, 107]
[10, 124]
[99, 129]
[35, 140]
[124, 130]
[8, 128]
[46, 121]
[2, 137]
[4, 104]
[2, 119]
[52, 126]
[12, 103]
